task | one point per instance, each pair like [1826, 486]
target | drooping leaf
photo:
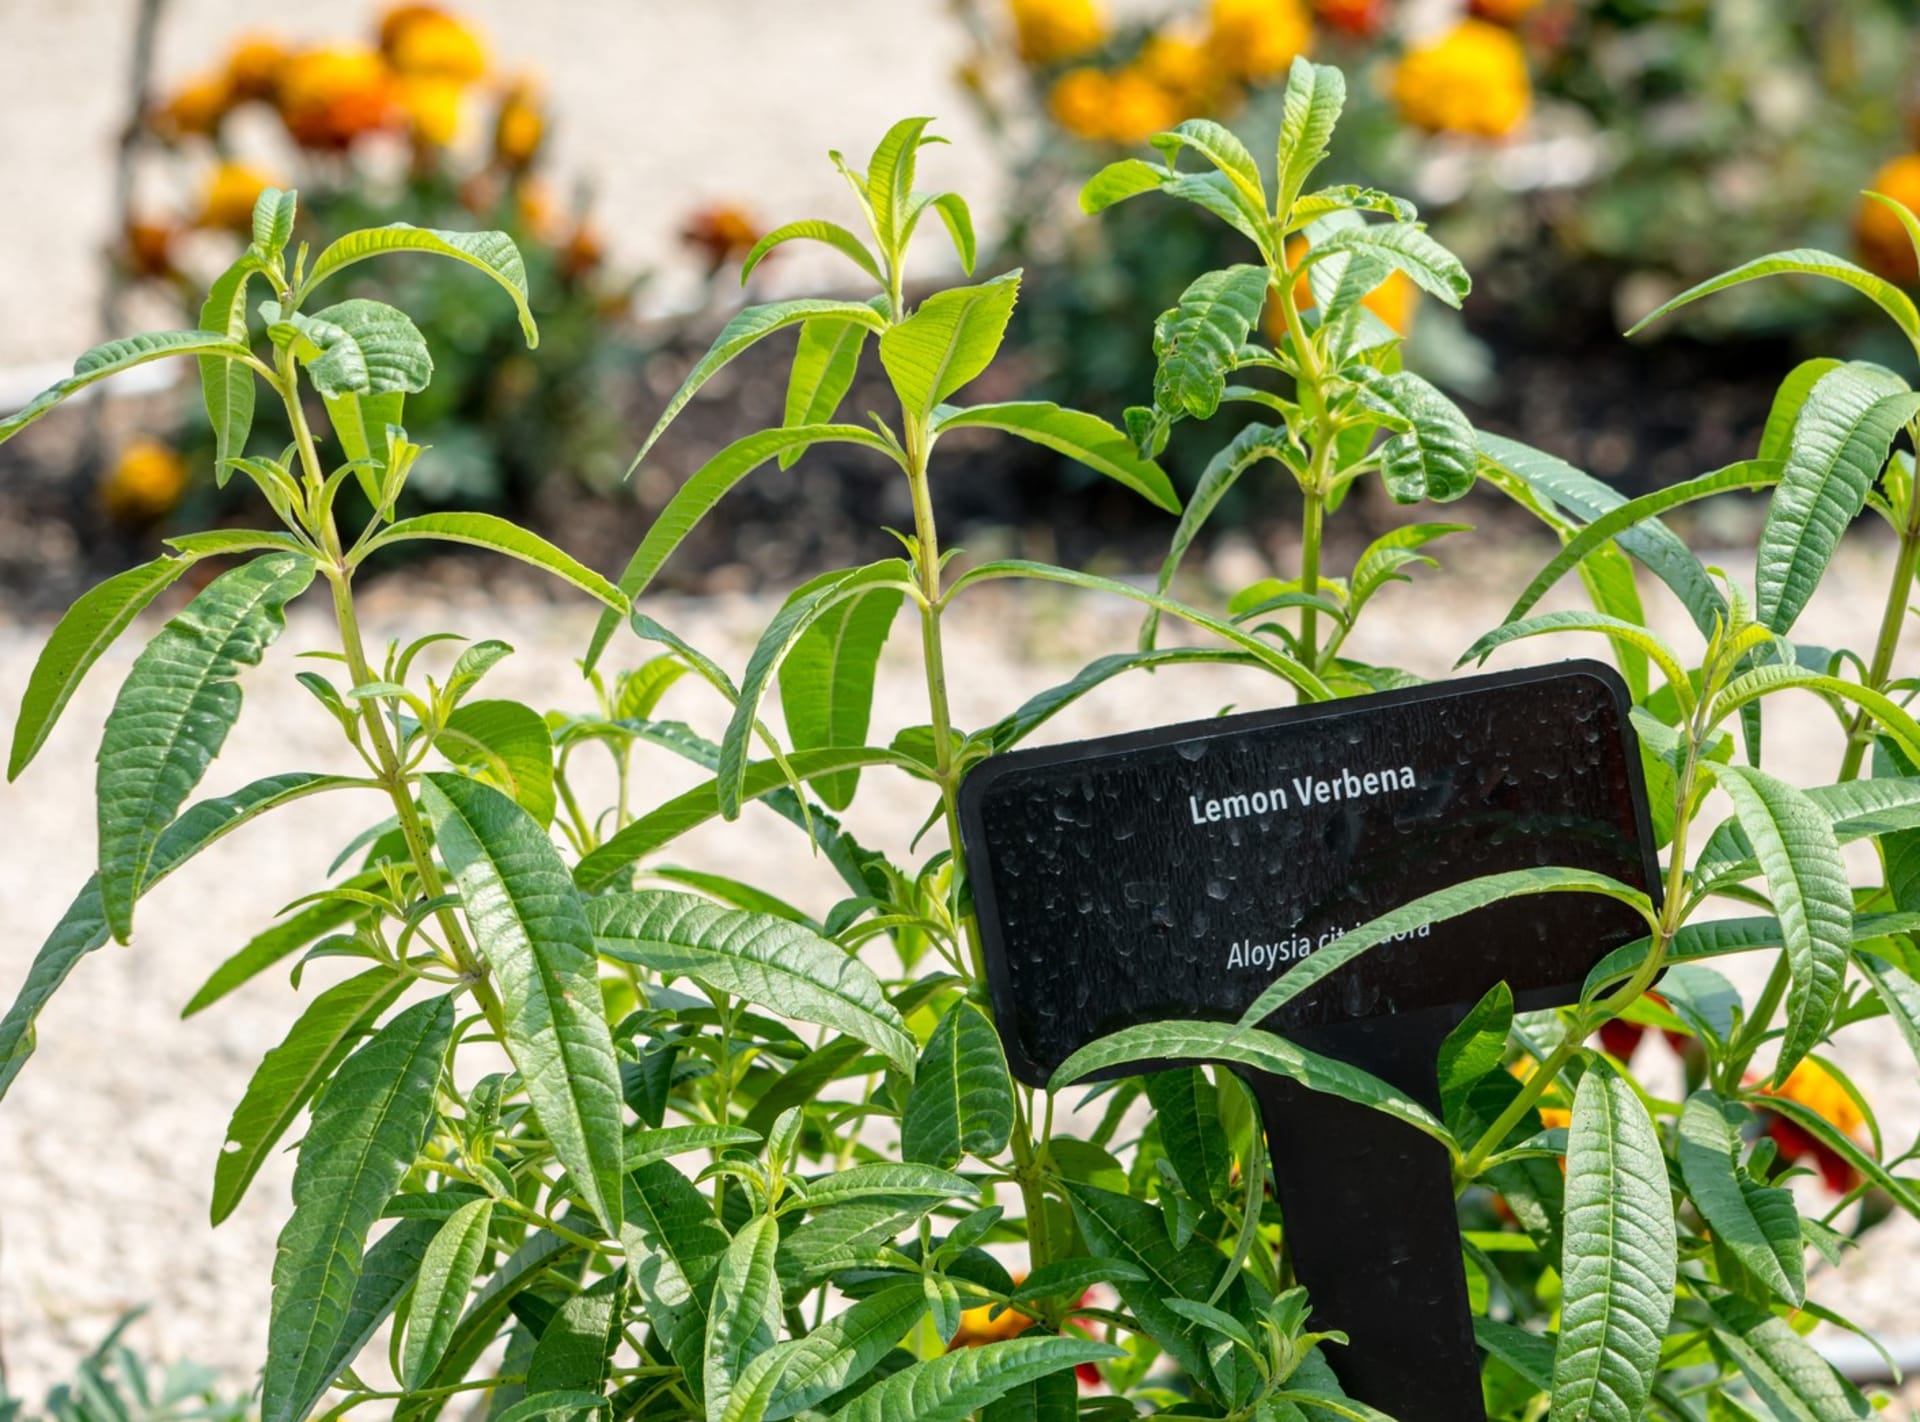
[447, 1272]
[1407, 248]
[86, 630]
[744, 1320]
[962, 1097]
[826, 681]
[1223, 471]
[116, 356]
[1795, 1381]
[1620, 1256]
[1218, 144]
[508, 745]
[290, 1074]
[1196, 343]
[771, 962]
[491, 252]
[173, 713]
[1086, 439]
[1716, 938]
[1726, 1198]
[529, 924]
[949, 340]
[1117, 182]
[1807, 880]
[830, 233]
[954, 1385]
[270, 946]
[1801, 261]
[1042, 706]
[500, 535]
[1434, 456]
[366, 1132]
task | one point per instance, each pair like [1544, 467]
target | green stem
[1891, 619]
[1310, 529]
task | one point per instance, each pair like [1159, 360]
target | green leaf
[744, 1319]
[890, 179]
[887, 1182]
[1620, 1256]
[289, 1076]
[1808, 883]
[575, 1352]
[1717, 938]
[673, 1244]
[560, 1406]
[1223, 471]
[1803, 261]
[83, 928]
[957, 218]
[366, 1132]
[1405, 247]
[273, 214]
[1086, 439]
[799, 1374]
[1764, 680]
[116, 356]
[500, 535]
[824, 365]
[664, 1142]
[962, 1097]
[707, 486]
[1616, 628]
[1216, 193]
[1841, 438]
[1474, 1048]
[529, 923]
[87, 629]
[265, 949]
[173, 713]
[509, 746]
[1529, 1354]
[753, 324]
[387, 1272]
[1038, 709]
[226, 385]
[1788, 401]
[826, 681]
[953, 1386]
[1795, 1381]
[1119, 181]
[771, 962]
[1187, 1106]
[1217, 144]
[1198, 342]
[1316, 93]
[1726, 1198]
[831, 233]
[446, 1278]
[491, 252]
[1249, 1046]
[375, 349]
[1901, 994]
[947, 342]
[1348, 197]
[1434, 456]
[806, 608]
[1437, 907]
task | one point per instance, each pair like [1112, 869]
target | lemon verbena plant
[583, 1133]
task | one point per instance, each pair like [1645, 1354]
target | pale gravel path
[107, 1141]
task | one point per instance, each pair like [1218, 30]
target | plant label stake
[1175, 873]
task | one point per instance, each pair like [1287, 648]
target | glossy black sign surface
[1174, 873]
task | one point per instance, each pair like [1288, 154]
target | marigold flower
[432, 106]
[1051, 31]
[197, 109]
[1394, 301]
[1878, 232]
[145, 482]
[722, 233]
[146, 247]
[228, 196]
[424, 40]
[1352, 17]
[1257, 39]
[1505, 12]
[1123, 107]
[253, 66]
[329, 97]
[1815, 1088]
[1179, 66]
[1471, 80]
[519, 126]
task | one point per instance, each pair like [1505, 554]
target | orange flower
[227, 199]
[1815, 1088]
[432, 106]
[147, 248]
[519, 126]
[425, 41]
[330, 97]
[1505, 12]
[1352, 17]
[533, 204]
[582, 252]
[1049, 31]
[1878, 232]
[145, 482]
[1257, 39]
[253, 66]
[1471, 80]
[197, 109]
[977, 1329]
[1123, 107]
[1394, 301]
[1179, 66]
[722, 233]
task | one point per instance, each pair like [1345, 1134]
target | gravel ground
[121, 1113]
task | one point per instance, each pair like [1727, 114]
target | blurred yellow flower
[1394, 301]
[1472, 80]
[1050, 31]
[1505, 12]
[197, 108]
[519, 126]
[329, 97]
[424, 40]
[145, 482]
[228, 196]
[432, 106]
[1178, 65]
[978, 1327]
[253, 66]
[1882, 239]
[1123, 107]
[533, 205]
[1257, 39]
